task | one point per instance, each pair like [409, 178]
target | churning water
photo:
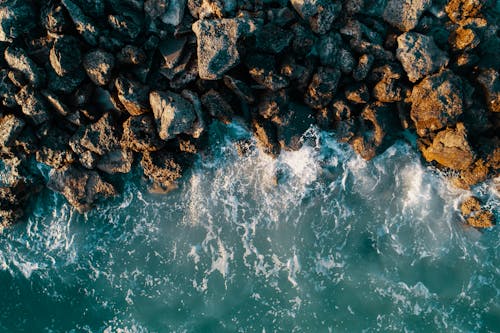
[317, 240]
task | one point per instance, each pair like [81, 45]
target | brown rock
[265, 134]
[490, 82]
[139, 134]
[475, 216]
[162, 168]
[476, 173]
[405, 14]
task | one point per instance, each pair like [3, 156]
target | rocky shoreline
[88, 87]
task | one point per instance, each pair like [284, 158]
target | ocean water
[317, 240]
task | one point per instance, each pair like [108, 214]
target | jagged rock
[131, 55]
[272, 39]
[386, 89]
[133, 95]
[96, 8]
[80, 187]
[217, 106]
[281, 16]
[54, 150]
[266, 136]
[65, 56]
[174, 12]
[262, 69]
[18, 59]
[16, 17]
[303, 41]
[56, 103]
[171, 51]
[460, 10]
[10, 128]
[419, 55]
[139, 134]
[155, 8]
[239, 88]
[162, 167]
[217, 51]
[53, 18]
[126, 24]
[204, 9]
[98, 65]
[33, 105]
[294, 124]
[322, 88]
[464, 39]
[199, 124]
[13, 199]
[7, 89]
[490, 82]
[83, 24]
[272, 106]
[65, 84]
[405, 14]
[475, 215]
[329, 46]
[116, 161]
[357, 93]
[99, 138]
[436, 102]
[476, 173]
[450, 148]
[363, 67]
[173, 114]
[319, 13]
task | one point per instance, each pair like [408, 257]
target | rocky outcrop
[475, 215]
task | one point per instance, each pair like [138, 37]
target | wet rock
[217, 106]
[13, 200]
[18, 59]
[263, 70]
[116, 161]
[139, 134]
[273, 39]
[297, 120]
[475, 215]
[450, 148]
[53, 18]
[98, 65]
[272, 106]
[239, 88]
[131, 55]
[33, 105]
[83, 24]
[319, 13]
[436, 102]
[266, 136]
[65, 56]
[217, 50]
[100, 137]
[419, 55]
[322, 88]
[363, 67]
[199, 125]
[173, 114]
[10, 128]
[490, 82]
[162, 167]
[476, 173]
[404, 14]
[16, 18]
[80, 187]
[54, 150]
[133, 95]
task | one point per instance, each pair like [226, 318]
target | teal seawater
[315, 241]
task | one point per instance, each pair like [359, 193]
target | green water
[334, 244]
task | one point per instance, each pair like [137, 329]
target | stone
[239, 88]
[10, 128]
[65, 56]
[133, 95]
[363, 67]
[266, 136]
[419, 55]
[155, 8]
[329, 47]
[7, 89]
[475, 215]
[263, 70]
[357, 93]
[127, 24]
[294, 123]
[205, 9]
[54, 150]
[217, 49]
[460, 10]
[54, 18]
[405, 14]
[99, 65]
[436, 102]
[199, 125]
[303, 41]
[319, 13]
[171, 51]
[67, 83]
[80, 187]
[490, 82]
[162, 167]
[387, 90]
[131, 55]
[16, 18]
[464, 39]
[100, 137]
[140, 134]
[18, 59]
[116, 161]
[84, 25]
[451, 149]
[322, 88]
[33, 105]
[173, 114]
[174, 13]
[272, 39]
[217, 106]
[476, 173]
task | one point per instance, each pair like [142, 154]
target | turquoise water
[315, 241]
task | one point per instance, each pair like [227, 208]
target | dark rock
[10, 128]
[490, 82]
[162, 167]
[173, 114]
[81, 188]
[403, 14]
[171, 51]
[18, 59]
[273, 39]
[133, 95]
[56, 103]
[319, 13]
[217, 50]
[53, 18]
[239, 88]
[297, 120]
[7, 89]
[437, 102]
[217, 106]
[33, 105]
[54, 150]
[475, 215]
[16, 18]
[131, 55]
[95, 8]
[419, 55]
[100, 137]
[13, 200]
[199, 124]
[116, 161]
[341, 110]
[450, 149]
[126, 24]
[386, 90]
[98, 65]
[155, 8]
[174, 13]
[357, 93]
[139, 134]
[263, 70]
[346, 61]
[322, 88]
[65, 56]
[363, 67]
[329, 47]
[303, 41]
[83, 24]
[272, 106]
[281, 16]
[65, 84]
[266, 136]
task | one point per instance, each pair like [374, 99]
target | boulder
[133, 95]
[319, 13]
[405, 14]
[266, 136]
[363, 67]
[85, 26]
[451, 149]
[19, 60]
[16, 18]
[239, 88]
[357, 93]
[262, 68]
[173, 114]
[99, 65]
[116, 161]
[67, 83]
[272, 39]
[436, 102]
[217, 106]
[162, 167]
[475, 215]
[10, 128]
[131, 55]
[54, 150]
[99, 138]
[419, 55]
[490, 82]
[65, 56]
[171, 51]
[33, 105]
[80, 187]
[13, 200]
[174, 13]
[140, 134]
[322, 88]
[460, 10]
[54, 18]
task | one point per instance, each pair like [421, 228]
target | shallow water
[315, 241]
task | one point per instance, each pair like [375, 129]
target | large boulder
[437, 102]
[405, 14]
[419, 55]
[80, 187]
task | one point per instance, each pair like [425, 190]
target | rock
[357, 93]
[436, 102]
[217, 50]
[464, 39]
[174, 12]
[217, 106]
[18, 59]
[490, 82]
[139, 134]
[273, 39]
[162, 168]
[405, 14]
[127, 24]
[319, 13]
[54, 18]
[100, 137]
[81, 188]
[133, 95]
[131, 55]
[460, 10]
[83, 24]
[155, 8]
[262, 69]
[329, 46]
[54, 150]
[16, 18]
[297, 120]
[272, 106]
[98, 65]
[116, 161]
[173, 114]
[33, 105]
[266, 136]
[450, 149]
[419, 55]
[476, 173]
[10, 128]
[56, 103]
[363, 67]
[7, 89]
[303, 41]
[65, 56]
[204, 9]
[474, 215]
[171, 51]
[386, 89]
[13, 200]
[239, 88]
[65, 84]
[322, 88]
